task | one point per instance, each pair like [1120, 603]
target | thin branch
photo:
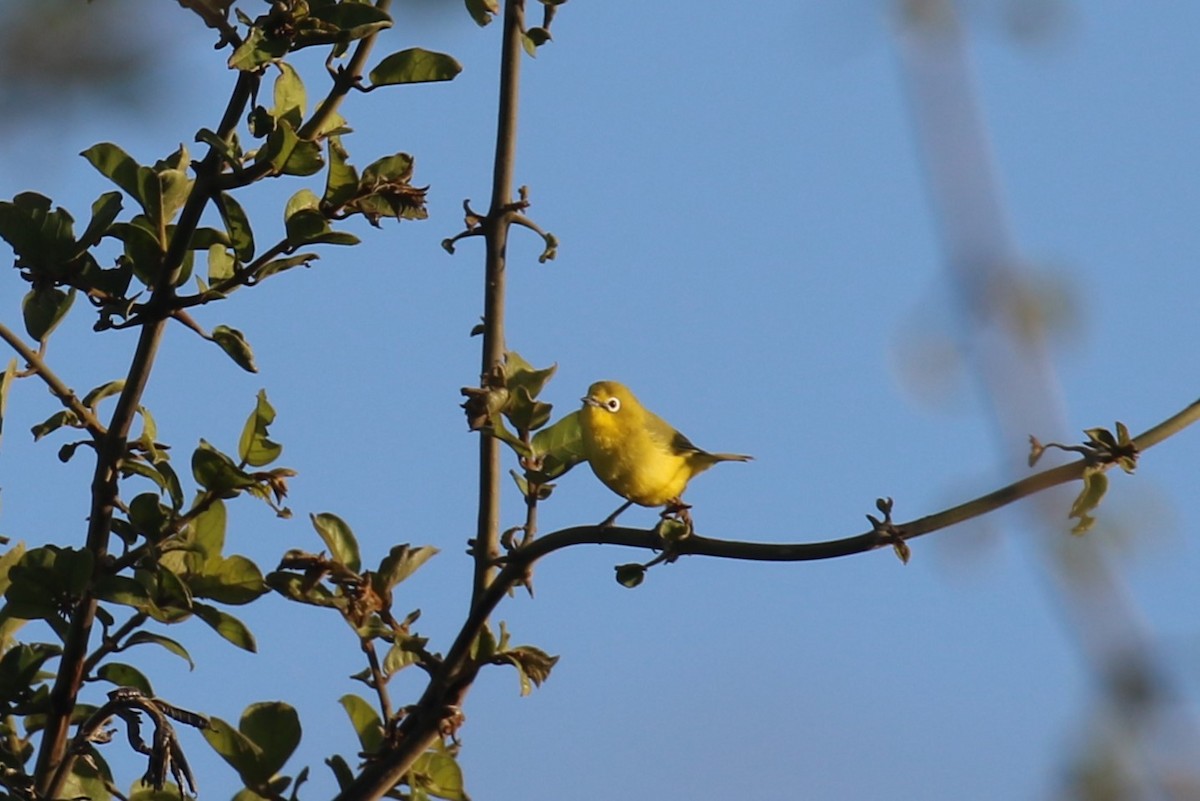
[495, 230]
[344, 80]
[112, 643]
[378, 680]
[59, 389]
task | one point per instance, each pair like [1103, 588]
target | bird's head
[609, 396]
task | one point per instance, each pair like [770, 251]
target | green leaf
[257, 50]
[389, 169]
[140, 183]
[341, 771]
[279, 265]
[237, 225]
[124, 675]
[275, 728]
[341, 182]
[296, 588]
[254, 448]
[104, 212]
[482, 11]
[234, 343]
[44, 309]
[290, 98]
[173, 182]
[537, 37]
[19, 668]
[227, 626]
[559, 446]
[309, 227]
[288, 154]
[221, 263]
[350, 20]
[55, 422]
[399, 656]
[238, 750]
[124, 591]
[149, 638]
[236, 580]
[437, 773]
[143, 252]
[93, 398]
[87, 779]
[519, 373]
[207, 535]
[401, 562]
[215, 471]
[414, 65]
[1095, 485]
[533, 665]
[366, 722]
[42, 238]
[339, 539]
[528, 44]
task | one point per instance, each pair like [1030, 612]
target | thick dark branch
[495, 232]
[53, 765]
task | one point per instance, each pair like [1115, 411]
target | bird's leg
[608, 521]
[678, 509]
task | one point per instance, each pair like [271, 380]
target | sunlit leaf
[149, 638]
[237, 224]
[414, 65]
[367, 724]
[275, 728]
[227, 626]
[124, 675]
[254, 446]
[339, 539]
[234, 343]
[401, 562]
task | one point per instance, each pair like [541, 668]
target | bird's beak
[588, 400]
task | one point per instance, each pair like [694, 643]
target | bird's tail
[729, 457]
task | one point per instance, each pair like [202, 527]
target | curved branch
[697, 545]
[449, 686]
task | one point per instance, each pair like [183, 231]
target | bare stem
[378, 680]
[495, 231]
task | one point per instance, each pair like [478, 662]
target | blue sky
[747, 241]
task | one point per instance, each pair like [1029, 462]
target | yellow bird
[636, 453]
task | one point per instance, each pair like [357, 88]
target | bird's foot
[608, 521]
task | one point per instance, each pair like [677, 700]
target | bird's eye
[613, 404]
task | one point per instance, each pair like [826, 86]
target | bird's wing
[681, 444]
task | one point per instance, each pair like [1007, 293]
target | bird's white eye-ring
[613, 404]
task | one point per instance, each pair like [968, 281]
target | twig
[343, 81]
[495, 231]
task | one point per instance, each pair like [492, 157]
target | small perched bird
[636, 453]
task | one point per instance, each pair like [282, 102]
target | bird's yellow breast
[630, 461]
